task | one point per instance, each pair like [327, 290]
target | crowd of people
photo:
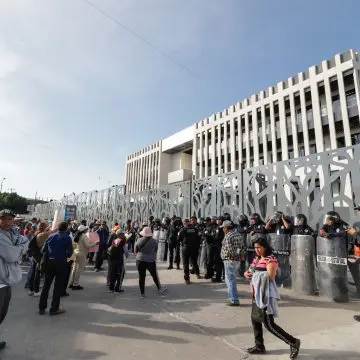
[59, 255]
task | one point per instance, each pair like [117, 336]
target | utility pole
[1, 185]
[11, 190]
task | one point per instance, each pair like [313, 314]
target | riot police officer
[257, 226]
[278, 224]
[301, 227]
[226, 217]
[151, 221]
[333, 225]
[213, 248]
[256, 229]
[243, 224]
[173, 232]
[242, 228]
[189, 239]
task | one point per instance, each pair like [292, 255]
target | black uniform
[172, 239]
[242, 229]
[213, 248]
[189, 238]
[279, 228]
[303, 230]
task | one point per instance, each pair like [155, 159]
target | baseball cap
[7, 212]
[82, 228]
[227, 223]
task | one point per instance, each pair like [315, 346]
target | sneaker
[65, 294]
[162, 289]
[294, 349]
[57, 312]
[70, 286]
[187, 282]
[207, 276]
[357, 317]
[41, 312]
[229, 303]
[30, 293]
[142, 297]
[110, 291]
[256, 350]
[198, 277]
[214, 280]
[170, 267]
[119, 290]
[37, 294]
[2, 345]
[178, 267]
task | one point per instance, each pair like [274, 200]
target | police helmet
[256, 217]
[227, 217]
[300, 220]
[333, 216]
[243, 220]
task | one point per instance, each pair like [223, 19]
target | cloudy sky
[79, 92]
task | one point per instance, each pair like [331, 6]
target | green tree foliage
[14, 202]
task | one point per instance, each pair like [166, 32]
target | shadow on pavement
[320, 354]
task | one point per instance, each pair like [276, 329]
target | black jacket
[173, 232]
[208, 235]
[189, 237]
[218, 235]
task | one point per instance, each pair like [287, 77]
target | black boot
[294, 349]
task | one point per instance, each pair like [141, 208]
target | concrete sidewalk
[190, 321]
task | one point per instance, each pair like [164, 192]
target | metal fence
[311, 185]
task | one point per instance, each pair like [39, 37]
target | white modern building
[314, 111]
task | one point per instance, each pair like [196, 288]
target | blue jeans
[30, 273]
[231, 269]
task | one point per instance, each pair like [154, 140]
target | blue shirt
[59, 246]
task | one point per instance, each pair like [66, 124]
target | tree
[14, 202]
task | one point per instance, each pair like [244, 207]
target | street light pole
[1, 185]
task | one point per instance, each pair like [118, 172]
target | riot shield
[163, 239]
[203, 258]
[161, 252]
[281, 245]
[250, 248]
[244, 263]
[156, 234]
[332, 267]
[303, 264]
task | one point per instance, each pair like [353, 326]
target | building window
[352, 104]
[313, 149]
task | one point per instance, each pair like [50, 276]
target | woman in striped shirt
[266, 261]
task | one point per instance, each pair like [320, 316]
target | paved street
[190, 322]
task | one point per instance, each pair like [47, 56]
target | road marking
[200, 329]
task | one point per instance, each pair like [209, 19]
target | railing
[303, 185]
